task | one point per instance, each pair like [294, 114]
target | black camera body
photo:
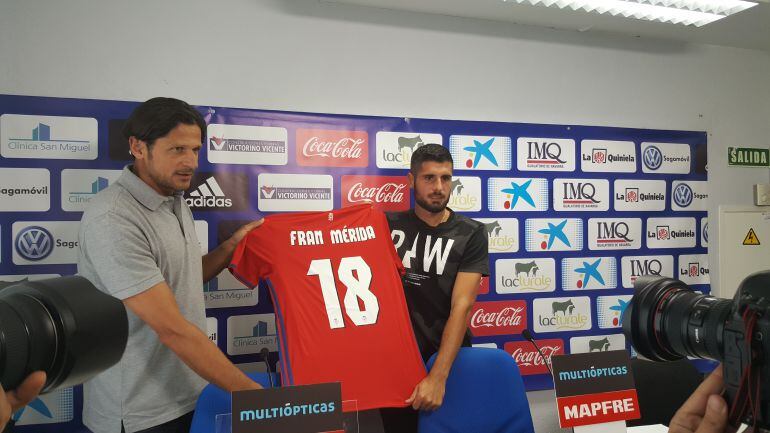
[667, 321]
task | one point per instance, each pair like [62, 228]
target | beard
[433, 203]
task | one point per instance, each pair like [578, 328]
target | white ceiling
[748, 29]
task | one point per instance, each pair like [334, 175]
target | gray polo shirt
[130, 240]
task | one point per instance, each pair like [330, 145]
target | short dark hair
[156, 117]
[429, 152]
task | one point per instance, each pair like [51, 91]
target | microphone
[265, 352]
[528, 336]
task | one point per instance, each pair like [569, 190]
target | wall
[324, 57]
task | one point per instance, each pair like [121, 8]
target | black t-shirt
[432, 257]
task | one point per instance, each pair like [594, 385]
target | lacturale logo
[209, 194]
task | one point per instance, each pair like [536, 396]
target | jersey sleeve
[476, 255]
[250, 261]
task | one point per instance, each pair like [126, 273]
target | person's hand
[705, 411]
[12, 401]
[244, 230]
[428, 394]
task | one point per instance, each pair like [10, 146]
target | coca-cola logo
[388, 193]
[348, 148]
[527, 357]
[318, 147]
[498, 318]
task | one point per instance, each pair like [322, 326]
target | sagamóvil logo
[689, 196]
[471, 152]
[25, 190]
[45, 242]
[669, 158]
[517, 194]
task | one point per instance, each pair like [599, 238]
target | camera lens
[63, 326]
[666, 321]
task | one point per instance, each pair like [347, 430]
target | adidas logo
[209, 194]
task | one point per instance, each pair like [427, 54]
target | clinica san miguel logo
[597, 343]
[672, 158]
[225, 291]
[218, 191]
[614, 233]
[610, 309]
[545, 154]
[48, 137]
[245, 144]
[465, 194]
[79, 187]
[554, 234]
[670, 232]
[480, 152]
[640, 195]
[589, 273]
[633, 267]
[694, 269]
[581, 194]
[250, 334]
[690, 195]
[517, 194]
[608, 156]
[562, 314]
[394, 149]
[525, 275]
[529, 360]
[502, 234]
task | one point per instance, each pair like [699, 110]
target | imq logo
[471, 152]
[554, 234]
[670, 232]
[502, 234]
[517, 194]
[597, 343]
[581, 195]
[694, 269]
[525, 275]
[218, 191]
[394, 149]
[561, 314]
[465, 194]
[607, 156]
[245, 144]
[689, 196]
[529, 360]
[614, 233]
[633, 267]
[673, 158]
[640, 195]
[589, 273]
[545, 154]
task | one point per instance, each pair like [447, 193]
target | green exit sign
[748, 156]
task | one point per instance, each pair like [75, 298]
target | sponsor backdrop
[574, 214]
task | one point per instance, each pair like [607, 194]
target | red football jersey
[341, 314]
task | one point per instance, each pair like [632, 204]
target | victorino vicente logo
[387, 193]
[529, 360]
[329, 148]
[498, 318]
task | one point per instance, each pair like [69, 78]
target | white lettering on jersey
[432, 254]
[314, 237]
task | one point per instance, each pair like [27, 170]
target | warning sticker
[751, 238]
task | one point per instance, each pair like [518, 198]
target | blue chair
[484, 394]
[214, 401]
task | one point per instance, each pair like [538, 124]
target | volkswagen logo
[683, 195]
[706, 232]
[34, 243]
[653, 158]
